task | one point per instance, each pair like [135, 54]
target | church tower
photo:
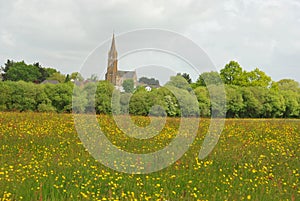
[112, 66]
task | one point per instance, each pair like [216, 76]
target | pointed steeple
[113, 51]
[112, 66]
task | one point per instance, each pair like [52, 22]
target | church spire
[112, 66]
[113, 51]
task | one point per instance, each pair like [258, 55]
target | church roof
[127, 74]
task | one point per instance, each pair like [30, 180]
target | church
[113, 75]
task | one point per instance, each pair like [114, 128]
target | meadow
[42, 158]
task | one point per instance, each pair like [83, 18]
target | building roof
[127, 74]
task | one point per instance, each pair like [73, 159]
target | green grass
[42, 158]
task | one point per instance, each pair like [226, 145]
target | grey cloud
[61, 34]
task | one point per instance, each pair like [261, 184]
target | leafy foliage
[16, 71]
[179, 82]
[76, 76]
[258, 78]
[233, 74]
[57, 76]
[128, 85]
[288, 85]
[149, 81]
[209, 78]
[21, 71]
[186, 76]
[103, 97]
[248, 94]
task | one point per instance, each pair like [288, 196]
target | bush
[46, 108]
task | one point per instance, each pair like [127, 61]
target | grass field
[42, 158]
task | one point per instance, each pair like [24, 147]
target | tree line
[17, 71]
[248, 95]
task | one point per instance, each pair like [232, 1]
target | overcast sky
[62, 33]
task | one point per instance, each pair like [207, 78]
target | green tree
[60, 96]
[172, 108]
[139, 103]
[7, 65]
[179, 82]
[50, 72]
[90, 90]
[79, 101]
[258, 78]
[22, 96]
[103, 97]
[298, 110]
[57, 76]
[234, 101]
[203, 100]
[217, 100]
[43, 72]
[76, 76]
[21, 71]
[128, 85]
[67, 79]
[182, 92]
[144, 103]
[252, 106]
[186, 76]
[274, 86]
[274, 105]
[149, 81]
[291, 103]
[44, 104]
[209, 78]
[5, 93]
[124, 103]
[15, 71]
[272, 102]
[158, 111]
[166, 99]
[46, 108]
[288, 84]
[233, 74]
[115, 102]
